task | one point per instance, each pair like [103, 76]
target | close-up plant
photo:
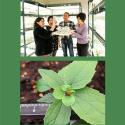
[70, 92]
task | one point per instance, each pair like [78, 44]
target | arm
[81, 35]
[43, 34]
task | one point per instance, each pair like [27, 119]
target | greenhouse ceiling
[58, 1]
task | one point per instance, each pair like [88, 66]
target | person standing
[42, 38]
[55, 38]
[81, 34]
[67, 42]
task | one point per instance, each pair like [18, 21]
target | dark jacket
[42, 39]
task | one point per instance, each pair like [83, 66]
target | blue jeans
[67, 44]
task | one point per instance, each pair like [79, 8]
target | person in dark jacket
[42, 38]
[55, 38]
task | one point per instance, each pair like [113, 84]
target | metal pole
[38, 10]
[24, 28]
[88, 17]
[80, 7]
[93, 30]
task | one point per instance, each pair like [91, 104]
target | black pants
[82, 49]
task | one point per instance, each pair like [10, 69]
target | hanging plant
[71, 93]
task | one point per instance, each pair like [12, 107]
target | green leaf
[58, 93]
[90, 105]
[78, 73]
[48, 98]
[68, 100]
[42, 85]
[51, 78]
[57, 114]
[65, 87]
[97, 124]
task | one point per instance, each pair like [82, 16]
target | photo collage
[62, 71]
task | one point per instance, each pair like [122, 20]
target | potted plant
[70, 92]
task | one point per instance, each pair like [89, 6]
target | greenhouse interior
[94, 9]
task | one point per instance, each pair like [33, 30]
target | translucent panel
[90, 6]
[60, 18]
[74, 19]
[90, 37]
[30, 8]
[21, 22]
[30, 49]
[93, 4]
[45, 11]
[99, 49]
[90, 42]
[22, 51]
[61, 9]
[96, 2]
[74, 42]
[90, 20]
[21, 5]
[29, 36]
[99, 23]
[21, 40]
[29, 21]
[71, 11]
[65, 7]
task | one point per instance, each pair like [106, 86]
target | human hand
[54, 21]
[72, 32]
[53, 33]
